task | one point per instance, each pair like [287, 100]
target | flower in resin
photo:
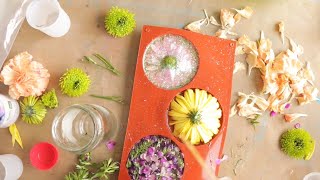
[24, 76]
[155, 157]
[170, 61]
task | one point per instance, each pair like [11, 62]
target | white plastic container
[312, 176]
[9, 111]
[48, 17]
[11, 167]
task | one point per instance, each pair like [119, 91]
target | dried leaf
[281, 30]
[292, 117]
[245, 12]
[15, 135]
[238, 66]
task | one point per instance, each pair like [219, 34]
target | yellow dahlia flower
[195, 116]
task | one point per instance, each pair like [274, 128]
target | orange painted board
[149, 104]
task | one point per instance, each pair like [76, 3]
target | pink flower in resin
[170, 62]
[24, 76]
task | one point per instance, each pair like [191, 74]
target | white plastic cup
[11, 167]
[48, 17]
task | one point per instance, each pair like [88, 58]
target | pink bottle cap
[44, 156]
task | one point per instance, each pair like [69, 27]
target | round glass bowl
[195, 116]
[170, 62]
[81, 127]
[155, 157]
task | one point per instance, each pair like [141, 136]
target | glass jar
[81, 127]
[9, 111]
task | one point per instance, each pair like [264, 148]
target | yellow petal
[15, 135]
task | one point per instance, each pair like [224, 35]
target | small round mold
[195, 115]
[170, 62]
[155, 157]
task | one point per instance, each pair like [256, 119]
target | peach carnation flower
[24, 76]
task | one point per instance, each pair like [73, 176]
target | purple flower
[287, 106]
[110, 145]
[297, 125]
[272, 113]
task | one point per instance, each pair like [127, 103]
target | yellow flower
[195, 116]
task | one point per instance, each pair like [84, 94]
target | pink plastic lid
[44, 156]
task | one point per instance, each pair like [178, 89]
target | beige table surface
[257, 149]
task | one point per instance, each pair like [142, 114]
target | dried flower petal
[245, 12]
[281, 31]
[219, 161]
[195, 26]
[226, 18]
[292, 117]
[296, 49]
[297, 125]
[273, 114]
[238, 66]
[111, 145]
[288, 106]
[213, 21]
[237, 18]
[222, 34]
[233, 111]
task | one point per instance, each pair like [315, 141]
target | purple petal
[287, 106]
[272, 113]
[110, 145]
[218, 161]
[297, 125]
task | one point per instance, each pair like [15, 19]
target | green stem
[117, 99]
[107, 63]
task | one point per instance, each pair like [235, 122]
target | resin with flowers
[155, 157]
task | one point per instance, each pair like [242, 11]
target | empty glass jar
[81, 127]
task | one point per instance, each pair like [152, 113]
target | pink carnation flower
[24, 76]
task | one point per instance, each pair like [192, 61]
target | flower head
[49, 99]
[32, 110]
[119, 22]
[24, 76]
[195, 116]
[75, 82]
[298, 144]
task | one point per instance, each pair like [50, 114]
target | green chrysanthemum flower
[119, 22]
[75, 82]
[298, 144]
[32, 110]
[49, 99]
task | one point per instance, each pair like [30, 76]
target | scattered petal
[245, 12]
[213, 21]
[237, 18]
[195, 26]
[222, 34]
[233, 111]
[297, 125]
[226, 18]
[111, 145]
[292, 117]
[238, 66]
[287, 106]
[219, 161]
[273, 114]
[281, 30]
[15, 135]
